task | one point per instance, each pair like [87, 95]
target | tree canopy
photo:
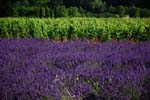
[74, 8]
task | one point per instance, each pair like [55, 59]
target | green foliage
[97, 6]
[76, 28]
[134, 12]
[111, 9]
[14, 12]
[121, 11]
[145, 12]
[75, 8]
[48, 98]
[74, 12]
[61, 11]
[42, 12]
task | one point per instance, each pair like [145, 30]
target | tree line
[74, 8]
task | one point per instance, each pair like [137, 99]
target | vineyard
[76, 28]
[74, 59]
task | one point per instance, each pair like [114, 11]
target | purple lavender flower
[32, 69]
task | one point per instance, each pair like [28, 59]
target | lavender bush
[32, 69]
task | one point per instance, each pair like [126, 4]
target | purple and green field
[35, 69]
[75, 59]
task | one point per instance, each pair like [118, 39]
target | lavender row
[33, 69]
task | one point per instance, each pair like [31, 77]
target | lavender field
[35, 69]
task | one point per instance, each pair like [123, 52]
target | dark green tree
[121, 11]
[134, 12]
[145, 12]
[74, 12]
[111, 9]
[61, 11]
[42, 12]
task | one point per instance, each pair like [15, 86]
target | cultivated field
[74, 59]
[60, 29]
